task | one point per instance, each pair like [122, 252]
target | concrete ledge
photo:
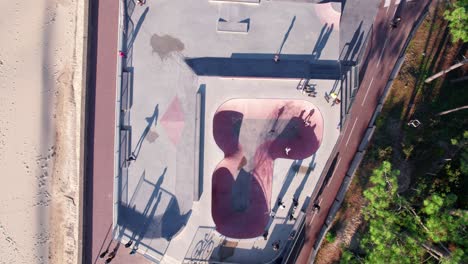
[343, 188]
[232, 27]
[355, 164]
[331, 215]
[377, 111]
[126, 89]
[124, 147]
[367, 137]
[321, 237]
[196, 181]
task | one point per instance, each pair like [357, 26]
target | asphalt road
[384, 49]
[99, 140]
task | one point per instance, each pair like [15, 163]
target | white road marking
[351, 132]
[383, 49]
[367, 92]
[336, 166]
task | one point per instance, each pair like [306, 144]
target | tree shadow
[424, 70]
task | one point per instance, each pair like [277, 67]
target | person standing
[295, 202]
[276, 245]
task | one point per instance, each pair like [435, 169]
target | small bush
[407, 150]
[330, 237]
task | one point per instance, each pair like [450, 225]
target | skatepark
[213, 131]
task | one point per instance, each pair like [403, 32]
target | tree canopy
[458, 20]
[402, 231]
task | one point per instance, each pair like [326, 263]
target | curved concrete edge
[327, 14]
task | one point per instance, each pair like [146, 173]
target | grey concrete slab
[356, 23]
[193, 23]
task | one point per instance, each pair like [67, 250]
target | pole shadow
[286, 35]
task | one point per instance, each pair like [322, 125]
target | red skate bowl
[252, 133]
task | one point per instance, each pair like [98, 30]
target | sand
[40, 120]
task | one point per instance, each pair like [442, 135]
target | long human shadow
[147, 224]
[287, 35]
[275, 123]
[353, 43]
[150, 120]
[301, 186]
[293, 169]
[322, 40]
[137, 29]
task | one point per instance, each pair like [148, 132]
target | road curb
[83, 129]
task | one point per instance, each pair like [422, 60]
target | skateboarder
[281, 204]
[132, 157]
[276, 58]
[395, 22]
[276, 245]
[316, 207]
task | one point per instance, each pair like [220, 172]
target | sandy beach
[41, 78]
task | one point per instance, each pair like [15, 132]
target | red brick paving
[376, 77]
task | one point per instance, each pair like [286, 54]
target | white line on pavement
[383, 49]
[367, 92]
[351, 132]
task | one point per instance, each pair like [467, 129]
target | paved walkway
[386, 45]
[101, 98]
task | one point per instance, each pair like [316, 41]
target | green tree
[458, 20]
[403, 232]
